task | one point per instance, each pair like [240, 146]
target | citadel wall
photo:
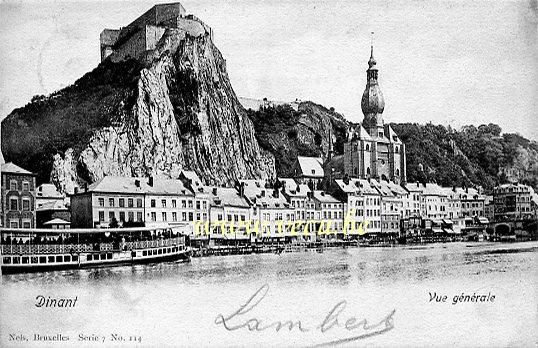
[144, 33]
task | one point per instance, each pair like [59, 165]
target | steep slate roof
[119, 184]
[191, 175]
[433, 190]
[270, 201]
[229, 197]
[293, 189]
[396, 189]
[414, 187]
[10, 167]
[356, 186]
[311, 166]
[325, 197]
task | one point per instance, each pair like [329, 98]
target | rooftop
[48, 191]
[119, 184]
[227, 196]
[10, 167]
[311, 166]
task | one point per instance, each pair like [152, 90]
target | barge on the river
[34, 250]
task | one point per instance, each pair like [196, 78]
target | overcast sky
[449, 62]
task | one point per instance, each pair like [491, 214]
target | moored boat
[34, 250]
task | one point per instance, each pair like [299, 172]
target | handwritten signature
[238, 320]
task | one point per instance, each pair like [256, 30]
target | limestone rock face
[177, 111]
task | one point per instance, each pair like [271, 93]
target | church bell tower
[373, 103]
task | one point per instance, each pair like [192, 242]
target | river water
[179, 303]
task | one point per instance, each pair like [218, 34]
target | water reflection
[336, 267]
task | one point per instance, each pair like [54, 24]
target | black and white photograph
[280, 173]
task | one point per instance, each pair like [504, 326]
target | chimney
[454, 188]
[466, 190]
[418, 184]
[241, 189]
[214, 191]
[150, 181]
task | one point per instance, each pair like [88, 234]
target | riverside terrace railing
[25, 249]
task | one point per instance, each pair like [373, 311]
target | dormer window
[313, 171]
[381, 134]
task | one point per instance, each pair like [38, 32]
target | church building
[373, 149]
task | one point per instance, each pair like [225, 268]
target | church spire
[372, 62]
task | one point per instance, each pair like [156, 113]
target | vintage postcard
[241, 173]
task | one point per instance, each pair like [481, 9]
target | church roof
[360, 133]
[391, 135]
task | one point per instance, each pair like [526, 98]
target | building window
[153, 216]
[26, 224]
[367, 147]
[26, 204]
[152, 203]
[13, 185]
[122, 216]
[183, 204]
[14, 224]
[131, 216]
[184, 216]
[139, 216]
[164, 216]
[111, 216]
[198, 205]
[101, 216]
[13, 203]
[163, 203]
[190, 204]
[205, 205]
[174, 203]
[130, 202]
[25, 186]
[191, 216]
[101, 202]
[111, 202]
[122, 202]
[139, 202]
[174, 216]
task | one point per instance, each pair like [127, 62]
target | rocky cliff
[305, 131]
[174, 110]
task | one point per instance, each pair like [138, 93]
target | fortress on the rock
[144, 33]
